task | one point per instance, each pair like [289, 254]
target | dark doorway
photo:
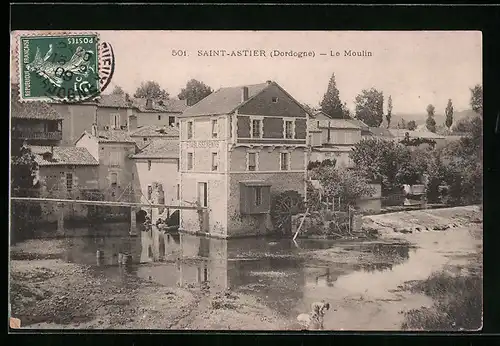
[140, 216]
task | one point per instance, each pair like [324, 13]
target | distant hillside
[420, 118]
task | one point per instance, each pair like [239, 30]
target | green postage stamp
[61, 67]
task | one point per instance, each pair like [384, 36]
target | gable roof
[160, 106]
[359, 123]
[156, 131]
[114, 101]
[223, 101]
[228, 100]
[338, 124]
[60, 156]
[114, 136]
[415, 134]
[31, 109]
[381, 132]
[159, 149]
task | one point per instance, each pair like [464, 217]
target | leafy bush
[458, 303]
[325, 163]
[349, 185]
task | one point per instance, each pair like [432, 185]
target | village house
[365, 129]
[64, 172]
[115, 112]
[401, 134]
[144, 135]
[112, 149]
[35, 123]
[332, 139]
[108, 112]
[158, 112]
[238, 145]
[158, 165]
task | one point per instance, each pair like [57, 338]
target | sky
[415, 67]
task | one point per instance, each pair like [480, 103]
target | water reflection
[275, 272]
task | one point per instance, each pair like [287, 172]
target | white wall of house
[163, 171]
[90, 143]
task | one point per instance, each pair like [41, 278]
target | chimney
[94, 130]
[149, 103]
[244, 94]
[269, 81]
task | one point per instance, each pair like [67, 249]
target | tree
[23, 172]
[331, 103]
[194, 92]
[347, 184]
[412, 125]
[389, 111]
[430, 122]
[118, 90]
[325, 163]
[402, 124]
[449, 114]
[380, 160]
[152, 90]
[370, 107]
[476, 99]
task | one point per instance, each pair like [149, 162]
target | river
[363, 281]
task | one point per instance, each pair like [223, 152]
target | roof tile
[222, 101]
[160, 149]
[156, 131]
[32, 109]
[58, 156]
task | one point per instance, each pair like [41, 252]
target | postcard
[246, 180]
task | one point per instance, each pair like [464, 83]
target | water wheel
[283, 207]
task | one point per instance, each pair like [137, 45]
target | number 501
[179, 53]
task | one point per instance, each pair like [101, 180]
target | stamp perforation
[16, 37]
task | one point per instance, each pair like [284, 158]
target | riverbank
[46, 292]
[391, 283]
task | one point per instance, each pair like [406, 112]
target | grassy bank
[458, 302]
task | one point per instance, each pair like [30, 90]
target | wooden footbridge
[133, 207]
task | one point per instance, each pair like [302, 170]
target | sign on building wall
[203, 144]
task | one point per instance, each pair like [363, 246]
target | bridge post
[60, 219]
[133, 223]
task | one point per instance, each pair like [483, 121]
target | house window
[159, 117]
[149, 165]
[289, 129]
[150, 192]
[178, 191]
[113, 179]
[214, 161]
[203, 194]
[114, 158]
[256, 128]
[178, 166]
[285, 161]
[145, 139]
[190, 129]
[252, 162]
[258, 195]
[69, 181]
[274, 99]
[115, 121]
[171, 121]
[215, 129]
[190, 161]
